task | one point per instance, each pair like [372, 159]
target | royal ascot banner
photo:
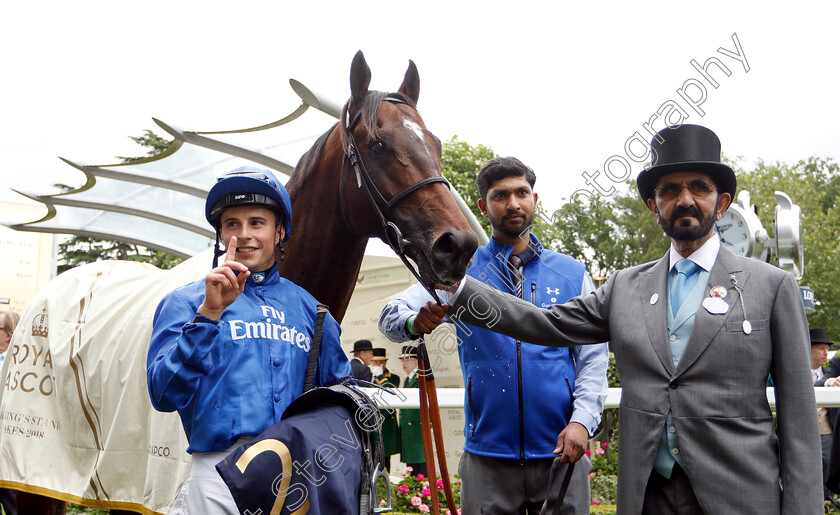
[76, 422]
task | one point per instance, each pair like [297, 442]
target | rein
[429, 408]
[393, 235]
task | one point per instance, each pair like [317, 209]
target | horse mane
[369, 112]
[309, 160]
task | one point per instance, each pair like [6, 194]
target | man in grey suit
[695, 336]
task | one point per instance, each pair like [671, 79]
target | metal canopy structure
[158, 202]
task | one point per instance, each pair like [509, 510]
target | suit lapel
[655, 282]
[707, 325]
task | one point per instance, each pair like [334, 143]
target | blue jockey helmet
[248, 186]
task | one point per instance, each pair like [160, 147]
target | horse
[408, 204]
[376, 173]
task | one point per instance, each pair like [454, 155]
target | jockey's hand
[222, 286]
[428, 318]
[572, 442]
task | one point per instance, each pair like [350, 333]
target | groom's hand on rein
[428, 318]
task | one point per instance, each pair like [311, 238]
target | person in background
[390, 426]
[411, 437]
[8, 323]
[820, 345]
[362, 357]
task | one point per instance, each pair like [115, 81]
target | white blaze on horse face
[418, 131]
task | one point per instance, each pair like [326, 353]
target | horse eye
[377, 147]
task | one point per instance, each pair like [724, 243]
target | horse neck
[324, 256]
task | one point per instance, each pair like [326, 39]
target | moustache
[683, 212]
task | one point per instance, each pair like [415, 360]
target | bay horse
[376, 173]
[395, 191]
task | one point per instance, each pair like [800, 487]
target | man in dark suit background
[411, 436]
[827, 417]
[362, 357]
[695, 336]
[390, 427]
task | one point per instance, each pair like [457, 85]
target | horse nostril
[454, 248]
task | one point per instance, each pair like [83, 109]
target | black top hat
[818, 336]
[379, 354]
[409, 351]
[685, 148]
[361, 345]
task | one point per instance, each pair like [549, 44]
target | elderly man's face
[687, 205]
[819, 355]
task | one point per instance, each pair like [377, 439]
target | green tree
[606, 234]
[79, 250]
[460, 163]
[814, 185]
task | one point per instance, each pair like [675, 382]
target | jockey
[229, 352]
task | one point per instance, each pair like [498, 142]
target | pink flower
[605, 445]
[403, 489]
[440, 483]
[457, 481]
[591, 475]
[409, 469]
[423, 508]
[426, 484]
[382, 502]
[596, 503]
[416, 501]
[426, 492]
[420, 477]
[599, 451]
[588, 453]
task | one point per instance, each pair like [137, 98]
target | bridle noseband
[393, 236]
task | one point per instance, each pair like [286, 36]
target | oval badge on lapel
[715, 305]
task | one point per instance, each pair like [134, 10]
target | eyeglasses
[698, 189]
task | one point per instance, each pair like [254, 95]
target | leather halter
[393, 236]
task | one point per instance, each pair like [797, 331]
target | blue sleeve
[395, 314]
[333, 364]
[179, 353]
[591, 386]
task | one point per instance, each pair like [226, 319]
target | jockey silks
[235, 377]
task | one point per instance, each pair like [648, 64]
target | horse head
[394, 188]
[376, 173]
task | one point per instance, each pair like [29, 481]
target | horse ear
[359, 77]
[411, 83]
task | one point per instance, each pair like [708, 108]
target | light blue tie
[683, 283]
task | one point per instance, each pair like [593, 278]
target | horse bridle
[393, 236]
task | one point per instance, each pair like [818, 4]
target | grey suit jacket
[716, 394]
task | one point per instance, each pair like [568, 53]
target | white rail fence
[454, 397]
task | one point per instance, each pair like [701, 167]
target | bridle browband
[393, 235]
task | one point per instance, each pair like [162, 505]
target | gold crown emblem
[39, 324]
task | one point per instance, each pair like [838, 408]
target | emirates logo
[39, 324]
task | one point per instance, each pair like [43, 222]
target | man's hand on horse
[428, 318]
[222, 286]
[571, 442]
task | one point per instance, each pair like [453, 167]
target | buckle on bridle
[394, 237]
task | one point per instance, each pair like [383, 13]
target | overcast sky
[562, 88]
